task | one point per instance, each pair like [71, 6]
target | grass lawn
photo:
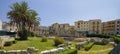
[36, 42]
[100, 47]
[32, 42]
[97, 49]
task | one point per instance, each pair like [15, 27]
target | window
[118, 22]
[78, 23]
[81, 23]
[117, 32]
[117, 29]
[97, 22]
[63, 26]
[112, 22]
[118, 25]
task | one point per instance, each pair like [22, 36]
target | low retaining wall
[52, 51]
[30, 50]
[4, 39]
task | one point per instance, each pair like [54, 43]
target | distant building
[8, 27]
[95, 26]
[59, 29]
[4, 26]
[88, 27]
[42, 31]
[111, 27]
[82, 26]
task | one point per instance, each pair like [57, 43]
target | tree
[23, 17]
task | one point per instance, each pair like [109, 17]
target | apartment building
[59, 29]
[82, 25]
[111, 27]
[95, 26]
[91, 26]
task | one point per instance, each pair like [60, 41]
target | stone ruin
[81, 44]
[59, 49]
[52, 51]
[66, 44]
[30, 50]
[101, 41]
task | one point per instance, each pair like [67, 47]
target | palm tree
[33, 20]
[23, 17]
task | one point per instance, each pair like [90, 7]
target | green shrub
[30, 33]
[71, 51]
[58, 41]
[44, 39]
[9, 43]
[98, 35]
[89, 46]
[116, 39]
[15, 41]
[23, 34]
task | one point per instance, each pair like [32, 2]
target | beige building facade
[95, 26]
[59, 29]
[8, 27]
[82, 25]
[111, 27]
[91, 26]
[81, 28]
[42, 31]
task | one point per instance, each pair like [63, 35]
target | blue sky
[67, 11]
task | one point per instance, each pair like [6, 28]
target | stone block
[60, 49]
[2, 51]
[24, 52]
[11, 52]
[45, 52]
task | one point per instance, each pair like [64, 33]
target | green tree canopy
[22, 16]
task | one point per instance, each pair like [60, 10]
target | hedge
[98, 35]
[89, 46]
[116, 39]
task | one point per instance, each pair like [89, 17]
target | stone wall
[52, 51]
[4, 39]
[30, 50]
